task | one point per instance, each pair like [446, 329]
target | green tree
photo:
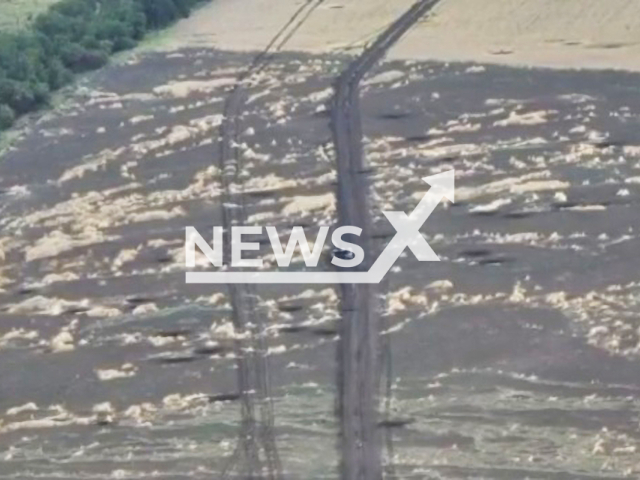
[7, 117]
[160, 12]
[73, 36]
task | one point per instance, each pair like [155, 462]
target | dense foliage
[70, 37]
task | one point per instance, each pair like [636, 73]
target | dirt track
[359, 351]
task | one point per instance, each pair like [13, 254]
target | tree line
[73, 36]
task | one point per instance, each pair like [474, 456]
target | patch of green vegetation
[9, 139]
[19, 14]
[71, 37]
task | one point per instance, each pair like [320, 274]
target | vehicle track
[358, 351]
[256, 437]
[359, 335]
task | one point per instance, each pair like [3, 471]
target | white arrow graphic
[408, 226]
[407, 236]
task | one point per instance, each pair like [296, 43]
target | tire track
[358, 351]
[257, 423]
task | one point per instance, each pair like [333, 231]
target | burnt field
[516, 356]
